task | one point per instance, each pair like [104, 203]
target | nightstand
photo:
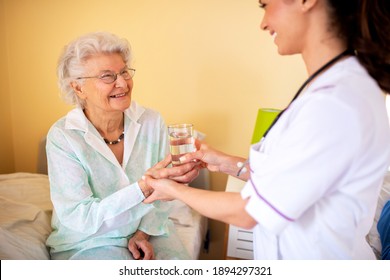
[238, 241]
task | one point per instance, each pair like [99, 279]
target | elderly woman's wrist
[141, 235]
[146, 191]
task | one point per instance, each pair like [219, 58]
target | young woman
[313, 180]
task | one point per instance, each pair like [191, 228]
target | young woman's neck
[319, 54]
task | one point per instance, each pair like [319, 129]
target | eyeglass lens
[112, 77]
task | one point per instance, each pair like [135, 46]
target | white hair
[70, 63]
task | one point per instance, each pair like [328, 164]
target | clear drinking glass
[181, 141]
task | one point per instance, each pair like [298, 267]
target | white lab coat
[316, 177]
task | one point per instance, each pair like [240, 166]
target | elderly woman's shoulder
[74, 119]
[59, 124]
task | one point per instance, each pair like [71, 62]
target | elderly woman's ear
[77, 89]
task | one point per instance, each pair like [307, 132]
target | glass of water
[181, 141]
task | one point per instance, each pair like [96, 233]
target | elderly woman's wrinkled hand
[184, 173]
[140, 247]
[163, 189]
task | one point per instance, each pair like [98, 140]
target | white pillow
[25, 216]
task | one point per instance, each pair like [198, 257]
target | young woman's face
[283, 20]
[101, 97]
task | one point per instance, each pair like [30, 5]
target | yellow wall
[204, 61]
[6, 139]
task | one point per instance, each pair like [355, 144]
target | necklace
[315, 74]
[241, 165]
[115, 141]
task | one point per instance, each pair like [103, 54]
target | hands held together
[163, 183]
[161, 180]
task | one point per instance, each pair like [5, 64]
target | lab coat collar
[76, 120]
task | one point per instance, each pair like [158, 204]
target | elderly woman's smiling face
[100, 97]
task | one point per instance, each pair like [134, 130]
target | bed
[25, 216]
[26, 208]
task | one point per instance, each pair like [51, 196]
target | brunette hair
[365, 25]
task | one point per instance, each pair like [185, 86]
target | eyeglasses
[110, 77]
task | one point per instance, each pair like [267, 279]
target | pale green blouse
[97, 202]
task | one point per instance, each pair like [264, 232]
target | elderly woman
[97, 155]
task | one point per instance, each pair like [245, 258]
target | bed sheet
[25, 216]
[190, 226]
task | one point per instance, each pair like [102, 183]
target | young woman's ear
[308, 4]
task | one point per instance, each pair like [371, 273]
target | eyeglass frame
[111, 74]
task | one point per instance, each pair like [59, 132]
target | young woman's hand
[212, 159]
